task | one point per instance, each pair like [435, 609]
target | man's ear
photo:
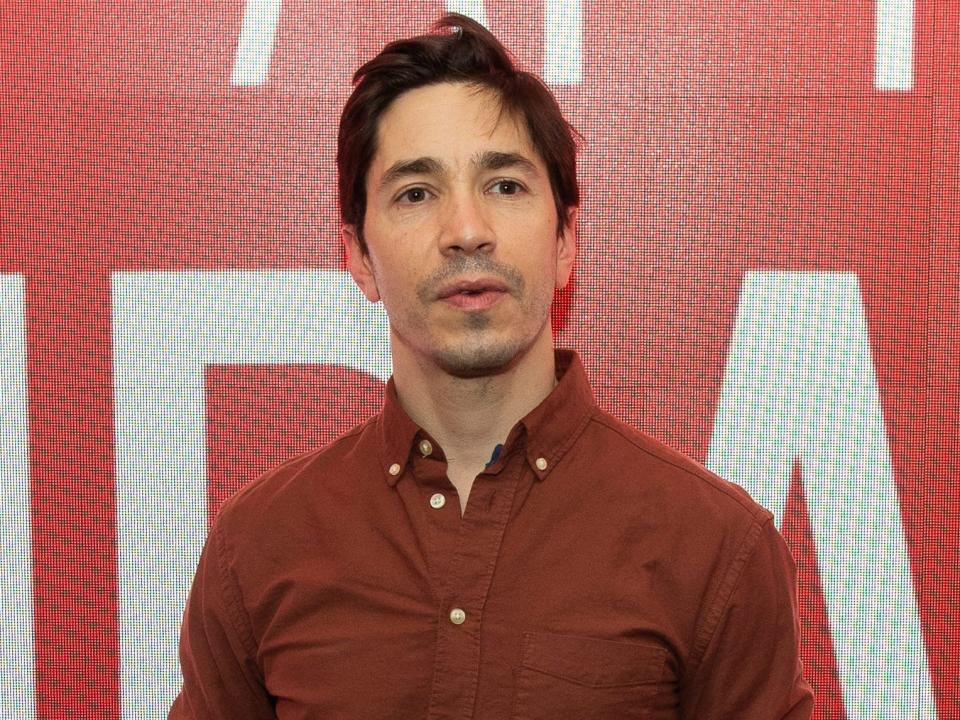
[359, 264]
[567, 247]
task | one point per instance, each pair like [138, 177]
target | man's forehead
[448, 121]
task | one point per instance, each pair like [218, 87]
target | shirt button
[541, 463]
[438, 500]
[457, 616]
[425, 447]
[394, 469]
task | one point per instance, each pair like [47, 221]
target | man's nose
[466, 226]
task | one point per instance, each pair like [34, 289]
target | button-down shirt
[595, 573]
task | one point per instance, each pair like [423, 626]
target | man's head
[459, 199]
[466, 53]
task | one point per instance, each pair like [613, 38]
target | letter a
[800, 384]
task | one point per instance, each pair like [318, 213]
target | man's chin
[475, 361]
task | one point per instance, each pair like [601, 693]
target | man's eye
[413, 195]
[507, 187]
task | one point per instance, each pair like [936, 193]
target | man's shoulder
[672, 477]
[302, 478]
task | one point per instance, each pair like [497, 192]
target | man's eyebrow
[493, 160]
[489, 160]
[420, 166]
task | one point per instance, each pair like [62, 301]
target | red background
[721, 137]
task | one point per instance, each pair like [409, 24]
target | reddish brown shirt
[594, 574]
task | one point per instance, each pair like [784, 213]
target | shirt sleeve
[751, 668]
[221, 678]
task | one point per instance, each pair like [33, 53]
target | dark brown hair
[458, 50]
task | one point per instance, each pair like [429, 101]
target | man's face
[461, 232]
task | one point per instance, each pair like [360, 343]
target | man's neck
[470, 416]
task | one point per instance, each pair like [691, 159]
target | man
[491, 544]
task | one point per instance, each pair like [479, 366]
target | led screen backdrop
[769, 280]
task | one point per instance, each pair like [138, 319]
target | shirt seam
[231, 599]
[728, 586]
[304, 460]
[755, 509]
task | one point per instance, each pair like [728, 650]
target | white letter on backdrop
[800, 384]
[563, 42]
[894, 45]
[473, 9]
[167, 326]
[563, 36]
[255, 44]
[17, 697]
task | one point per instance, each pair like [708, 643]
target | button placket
[466, 586]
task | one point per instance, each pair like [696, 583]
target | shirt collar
[548, 430]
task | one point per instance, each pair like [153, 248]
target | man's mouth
[472, 287]
[473, 294]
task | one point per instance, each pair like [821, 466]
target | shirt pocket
[564, 677]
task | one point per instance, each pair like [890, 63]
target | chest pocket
[566, 677]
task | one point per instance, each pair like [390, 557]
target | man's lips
[473, 294]
[473, 286]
